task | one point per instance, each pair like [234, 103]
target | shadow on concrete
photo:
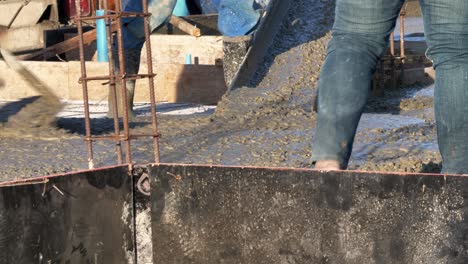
[394, 100]
[12, 108]
[99, 126]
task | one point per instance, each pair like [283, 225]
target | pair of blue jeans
[360, 35]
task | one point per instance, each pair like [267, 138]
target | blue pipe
[181, 8]
[101, 38]
[188, 58]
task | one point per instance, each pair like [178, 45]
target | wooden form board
[203, 84]
[171, 49]
[33, 11]
[20, 13]
[14, 39]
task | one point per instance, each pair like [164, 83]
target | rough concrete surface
[269, 123]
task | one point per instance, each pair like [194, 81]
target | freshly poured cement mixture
[269, 123]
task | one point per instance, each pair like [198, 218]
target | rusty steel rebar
[112, 86]
[113, 15]
[392, 44]
[402, 40]
[123, 83]
[119, 137]
[151, 84]
[113, 18]
[108, 77]
[84, 84]
[402, 33]
[392, 60]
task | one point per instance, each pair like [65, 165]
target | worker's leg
[132, 65]
[361, 33]
[446, 26]
[133, 39]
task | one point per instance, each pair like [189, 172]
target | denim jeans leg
[446, 26]
[360, 36]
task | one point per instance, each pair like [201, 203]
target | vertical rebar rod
[122, 73]
[149, 63]
[402, 34]
[392, 44]
[392, 60]
[112, 86]
[84, 84]
[402, 42]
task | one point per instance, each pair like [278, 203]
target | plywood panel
[177, 83]
[54, 74]
[168, 49]
[8, 9]
[97, 90]
[14, 39]
[202, 84]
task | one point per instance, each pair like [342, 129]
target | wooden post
[185, 26]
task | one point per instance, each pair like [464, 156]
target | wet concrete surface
[268, 123]
[412, 25]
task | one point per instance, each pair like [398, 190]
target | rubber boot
[132, 66]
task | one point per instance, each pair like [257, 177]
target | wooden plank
[208, 25]
[13, 39]
[64, 46]
[15, 87]
[178, 83]
[185, 26]
[31, 79]
[202, 84]
[90, 50]
[32, 12]
[167, 49]
[9, 10]
[97, 90]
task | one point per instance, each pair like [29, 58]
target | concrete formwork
[208, 214]
[84, 217]
[264, 215]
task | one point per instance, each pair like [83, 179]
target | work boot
[132, 66]
[130, 87]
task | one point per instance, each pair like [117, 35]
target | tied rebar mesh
[113, 19]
